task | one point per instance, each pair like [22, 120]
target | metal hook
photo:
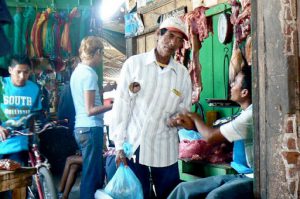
[226, 50]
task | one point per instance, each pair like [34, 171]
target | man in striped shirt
[151, 89]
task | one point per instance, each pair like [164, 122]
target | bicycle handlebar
[22, 123]
[47, 126]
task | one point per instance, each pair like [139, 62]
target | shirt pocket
[175, 97]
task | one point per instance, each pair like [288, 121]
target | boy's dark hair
[20, 59]
[247, 80]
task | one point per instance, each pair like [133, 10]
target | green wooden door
[215, 58]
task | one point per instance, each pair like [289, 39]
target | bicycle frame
[35, 160]
[43, 179]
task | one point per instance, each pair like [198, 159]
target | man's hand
[3, 133]
[121, 157]
[108, 101]
[181, 120]
[185, 120]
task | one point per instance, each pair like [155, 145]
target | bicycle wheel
[46, 183]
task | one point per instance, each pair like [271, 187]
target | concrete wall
[276, 98]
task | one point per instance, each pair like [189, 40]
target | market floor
[75, 192]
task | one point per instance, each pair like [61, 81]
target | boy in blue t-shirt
[19, 98]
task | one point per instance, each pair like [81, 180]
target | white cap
[174, 24]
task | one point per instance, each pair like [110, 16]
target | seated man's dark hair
[247, 80]
[20, 59]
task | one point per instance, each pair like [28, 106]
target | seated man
[239, 131]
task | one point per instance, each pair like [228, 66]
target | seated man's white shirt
[241, 128]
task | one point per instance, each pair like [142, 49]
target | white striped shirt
[141, 118]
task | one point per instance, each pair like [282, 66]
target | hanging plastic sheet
[5, 18]
[17, 32]
[75, 34]
[28, 20]
[5, 48]
[133, 24]
[84, 23]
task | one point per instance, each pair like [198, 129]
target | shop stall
[219, 44]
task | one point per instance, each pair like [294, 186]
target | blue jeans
[90, 142]
[221, 187]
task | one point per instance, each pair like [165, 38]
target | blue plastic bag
[124, 185]
[190, 135]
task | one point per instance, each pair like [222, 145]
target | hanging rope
[49, 46]
[65, 38]
[57, 30]
[32, 52]
[38, 37]
[44, 31]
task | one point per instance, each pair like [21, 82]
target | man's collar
[249, 107]
[151, 58]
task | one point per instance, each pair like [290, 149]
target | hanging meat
[248, 50]
[241, 20]
[198, 29]
[182, 54]
[236, 62]
[195, 68]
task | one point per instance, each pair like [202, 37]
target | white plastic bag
[100, 194]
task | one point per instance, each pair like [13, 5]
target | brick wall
[291, 154]
[288, 19]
